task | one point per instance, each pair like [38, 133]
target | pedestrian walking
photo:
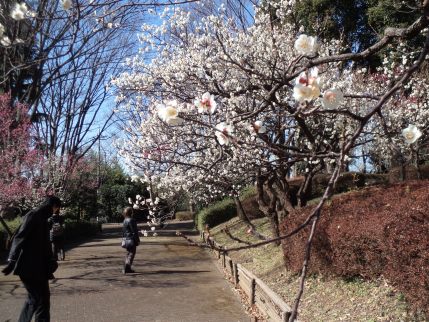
[31, 258]
[56, 235]
[130, 239]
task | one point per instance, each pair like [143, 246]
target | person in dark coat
[31, 258]
[56, 235]
[131, 238]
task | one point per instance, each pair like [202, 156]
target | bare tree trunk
[275, 230]
[240, 211]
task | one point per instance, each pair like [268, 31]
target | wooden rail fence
[268, 302]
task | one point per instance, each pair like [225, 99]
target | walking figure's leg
[131, 252]
[38, 301]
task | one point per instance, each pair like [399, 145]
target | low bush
[379, 231]
[411, 173]
[347, 181]
[13, 225]
[216, 213]
[78, 229]
[184, 215]
[73, 230]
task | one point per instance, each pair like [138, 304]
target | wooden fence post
[235, 274]
[223, 260]
[252, 291]
[285, 316]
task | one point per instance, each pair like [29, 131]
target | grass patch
[184, 215]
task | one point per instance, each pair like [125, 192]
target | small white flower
[109, 25]
[130, 201]
[2, 29]
[223, 133]
[152, 228]
[19, 11]
[169, 114]
[411, 134]
[258, 127]
[332, 98]
[134, 178]
[307, 86]
[18, 41]
[206, 103]
[135, 206]
[66, 4]
[174, 121]
[5, 41]
[155, 234]
[306, 45]
[303, 93]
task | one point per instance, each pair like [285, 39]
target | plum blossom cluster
[228, 100]
[152, 208]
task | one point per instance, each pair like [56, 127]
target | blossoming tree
[20, 161]
[261, 103]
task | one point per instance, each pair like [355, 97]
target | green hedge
[216, 214]
[73, 230]
[78, 229]
[13, 225]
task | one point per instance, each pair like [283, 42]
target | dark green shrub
[216, 214]
[78, 229]
[13, 225]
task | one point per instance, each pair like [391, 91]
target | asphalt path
[173, 282]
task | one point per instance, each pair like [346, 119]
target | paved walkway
[173, 282]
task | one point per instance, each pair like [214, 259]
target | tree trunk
[275, 230]
[240, 211]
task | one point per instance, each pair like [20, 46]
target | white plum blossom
[303, 93]
[306, 45]
[307, 86]
[130, 201]
[152, 228]
[411, 134]
[19, 41]
[206, 103]
[332, 98]
[134, 178]
[5, 41]
[66, 4]
[2, 29]
[249, 68]
[169, 114]
[258, 127]
[19, 11]
[223, 133]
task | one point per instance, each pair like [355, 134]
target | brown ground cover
[325, 298]
[378, 232]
